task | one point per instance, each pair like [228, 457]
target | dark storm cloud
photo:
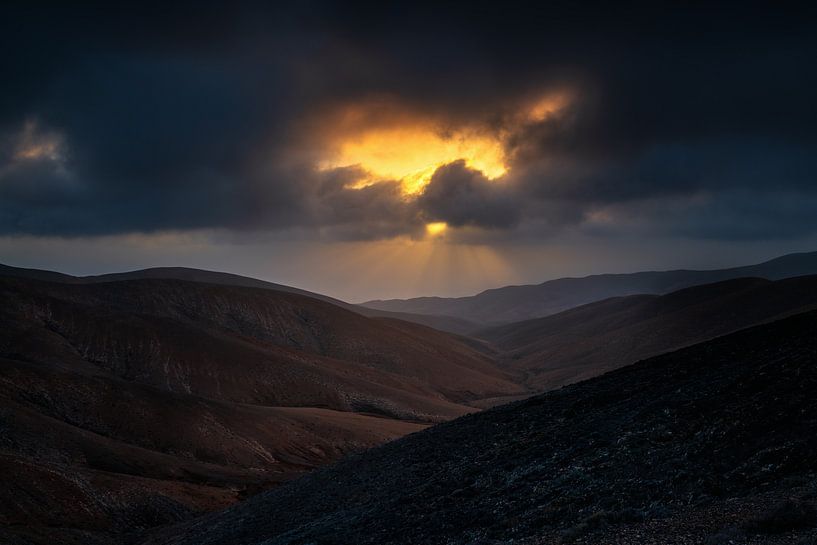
[369, 212]
[186, 116]
[462, 196]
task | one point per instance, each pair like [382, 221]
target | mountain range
[140, 401]
[466, 315]
[516, 303]
[589, 340]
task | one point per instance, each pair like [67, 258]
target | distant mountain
[133, 403]
[443, 323]
[710, 444]
[516, 303]
[591, 339]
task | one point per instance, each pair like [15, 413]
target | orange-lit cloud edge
[388, 142]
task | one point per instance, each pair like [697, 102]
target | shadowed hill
[516, 303]
[586, 341]
[128, 404]
[444, 323]
[668, 450]
[242, 344]
[90, 453]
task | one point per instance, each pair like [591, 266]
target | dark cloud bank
[698, 122]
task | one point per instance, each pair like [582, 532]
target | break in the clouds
[342, 121]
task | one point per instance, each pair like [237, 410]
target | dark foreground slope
[587, 341]
[669, 450]
[517, 303]
[125, 405]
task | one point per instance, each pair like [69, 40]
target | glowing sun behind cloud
[411, 154]
[383, 140]
[436, 228]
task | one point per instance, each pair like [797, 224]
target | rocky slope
[696, 446]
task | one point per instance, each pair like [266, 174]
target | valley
[141, 401]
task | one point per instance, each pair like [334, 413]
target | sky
[402, 149]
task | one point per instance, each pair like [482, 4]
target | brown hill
[247, 345]
[128, 404]
[589, 340]
[443, 323]
[92, 453]
[697, 446]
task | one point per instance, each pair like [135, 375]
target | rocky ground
[703, 445]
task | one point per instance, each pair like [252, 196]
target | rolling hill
[131, 403]
[165, 398]
[713, 443]
[591, 339]
[443, 323]
[517, 303]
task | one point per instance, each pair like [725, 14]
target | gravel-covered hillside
[698, 446]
